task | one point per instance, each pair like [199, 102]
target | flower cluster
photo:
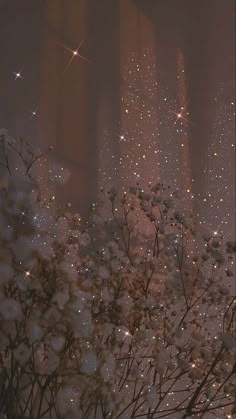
[130, 317]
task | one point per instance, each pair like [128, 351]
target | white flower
[162, 359]
[53, 361]
[69, 270]
[107, 329]
[125, 302]
[107, 369]
[115, 265]
[52, 315]
[106, 294]
[61, 298]
[151, 396]
[122, 333]
[79, 301]
[84, 239]
[68, 400]
[42, 220]
[103, 272]
[5, 228]
[113, 247]
[34, 332]
[10, 309]
[22, 353]
[43, 246]
[82, 324]
[88, 362]
[61, 229]
[22, 249]
[57, 343]
[63, 176]
[6, 273]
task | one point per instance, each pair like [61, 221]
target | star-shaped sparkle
[17, 75]
[75, 53]
[34, 113]
[27, 272]
[179, 116]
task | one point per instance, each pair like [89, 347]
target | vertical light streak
[137, 39]
[185, 149]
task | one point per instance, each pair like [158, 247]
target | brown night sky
[75, 106]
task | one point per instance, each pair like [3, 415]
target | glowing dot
[18, 75]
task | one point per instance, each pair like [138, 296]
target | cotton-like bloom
[103, 272]
[84, 239]
[53, 361]
[56, 343]
[88, 362]
[43, 247]
[22, 249]
[34, 332]
[61, 297]
[151, 396]
[79, 301]
[10, 309]
[68, 400]
[69, 270]
[107, 369]
[22, 353]
[115, 265]
[86, 308]
[6, 273]
[5, 228]
[107, 295]
[82, 324]
[61, 229]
